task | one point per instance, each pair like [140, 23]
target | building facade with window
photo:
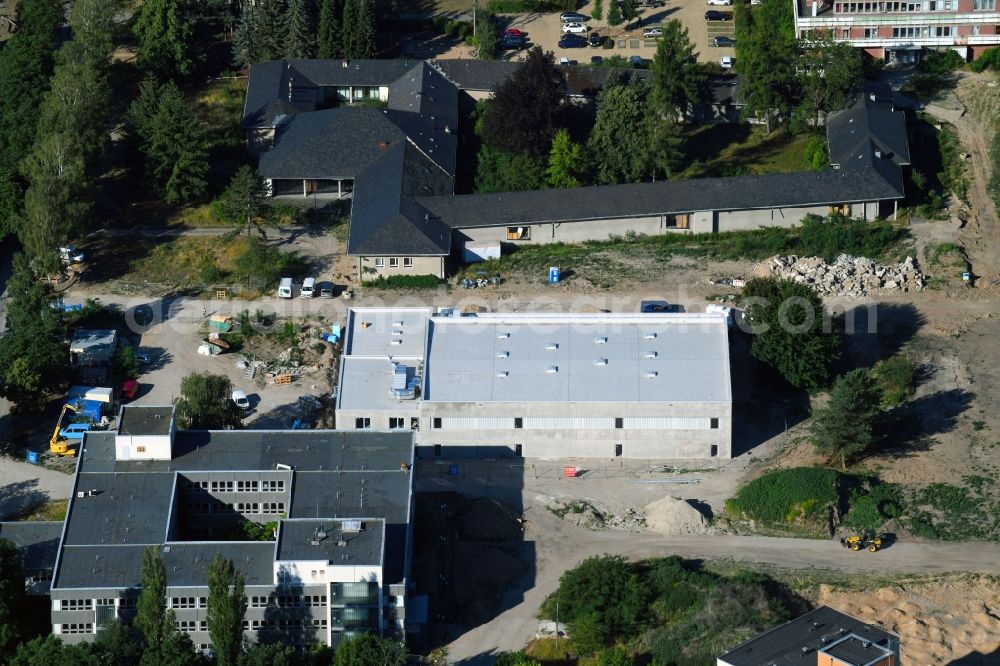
[653, 386]
[898, 30]
[318, 522]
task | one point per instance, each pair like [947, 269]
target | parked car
[129, 389]
[726, 62]
[75, 430]
[308, 287]
[70, 255]
[575, 27]
[573, 17]
[713, 15]
[513, 42]
[653, 32]
[513, 31]
[285, 288]
[653, 4]
[326, 290]
[595, 39]
[658, 307]
[636, 61]
[596, 60]
[240, 400]
[723, 41]
[723, 3]
[572, 42]
[143, 357]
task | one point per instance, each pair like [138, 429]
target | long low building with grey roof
[317, 521]
[540, 385]
[383, 132]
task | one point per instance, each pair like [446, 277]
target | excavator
[866, 539]
[59, 445]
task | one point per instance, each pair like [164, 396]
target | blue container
[33, 457]
[452, 470]
[553, 275]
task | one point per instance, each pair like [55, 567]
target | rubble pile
[847, 276]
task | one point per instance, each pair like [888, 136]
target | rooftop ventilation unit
[600, 340]
[502, 373]
[649, 336]
[650, 354]
[651, 374]
[503, 354]
[552, 369]
[601, 361]
[503, 336]
[352, 526]
[552, 346]
[398, 323]
[396, 342]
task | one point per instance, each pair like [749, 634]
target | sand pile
[940, 622]
[672, 515]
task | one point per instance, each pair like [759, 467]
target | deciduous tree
[11, 598]
[487, 35]
[828, 71]
[766, 56]
[369, 650]
[677, 79]
[846, 427]
[206, 404]
[227, 604]
[565, 162]
[500, 171]
[165, 33]
[153, 619]
[522, 114]
[93, 24]
[788, 321]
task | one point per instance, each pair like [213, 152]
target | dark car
[595, 39]
[596, 60]
[724, 41]
[713, 15]
[573, 17]
[653, 4]
[658, 307]
[572, 42]
[509, 42]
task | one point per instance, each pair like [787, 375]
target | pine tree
[227, 604]
[359, 29]
[614, 13]
[246, 49]
[329, 35]
[268, 19]
[298, 30]
[845, 428]
[165, 33]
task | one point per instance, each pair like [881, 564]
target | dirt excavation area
[952, 620]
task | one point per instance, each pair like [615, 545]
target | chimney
[344, 64]
[878, 153]
[815, 8]
[871, 96]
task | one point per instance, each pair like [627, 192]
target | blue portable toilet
[33, 457]
[453, 470]
[553, 275]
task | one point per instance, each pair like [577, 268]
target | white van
[285, 288]
[308, 287]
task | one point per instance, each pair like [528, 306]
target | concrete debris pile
[584, 513]
[847, 276]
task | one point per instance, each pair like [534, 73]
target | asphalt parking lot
[545, 30]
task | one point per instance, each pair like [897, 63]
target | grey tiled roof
[869, 123]
[666, 197]
[37, 542]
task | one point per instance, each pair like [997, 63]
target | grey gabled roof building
[402, 158]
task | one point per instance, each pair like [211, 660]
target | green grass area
[800, 497]
[48, 510]
[633, 256]
[806, 501]
[725, 149]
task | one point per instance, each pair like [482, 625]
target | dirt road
[975, 125]
[558, 546]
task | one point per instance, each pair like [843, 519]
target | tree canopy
[566, 163]
[369, 650]
[677, 79]
[11, 598]
[206, 403]
[328, 39]
[298, 30]
[788, 321]
[846, 427]
[765, 58]
[828, 71]
[358, 29]
[227, 604]
[522, 114]
[165, 32]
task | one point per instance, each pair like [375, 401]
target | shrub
[989, 60]
[941, 62]
[871, 508]
[783, 495]
[260, 266]
[530, 6]
[209, 272]
[894, 377]
[597, 13]
[403, 282]
[815, 153]
[837, 234]
[952, 174]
